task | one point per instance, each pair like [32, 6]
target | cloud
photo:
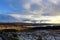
[43, 7]
[38, 10]
[34, 19]
[26, 6]
[18, 16]
[40, 7]
[55, 1]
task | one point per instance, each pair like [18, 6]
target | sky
[39, 11]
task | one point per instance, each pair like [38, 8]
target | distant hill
[29, 24]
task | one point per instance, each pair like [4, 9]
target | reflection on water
[35, 35]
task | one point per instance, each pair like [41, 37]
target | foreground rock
[32, 35]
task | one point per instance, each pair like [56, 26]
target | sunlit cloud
[31, 18]
[26, 6]
[18, 16]
[37, 10]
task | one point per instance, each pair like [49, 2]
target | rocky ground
[39, 34]
[34, 35]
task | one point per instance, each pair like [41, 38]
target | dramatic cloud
[43, 7]
[36, 10]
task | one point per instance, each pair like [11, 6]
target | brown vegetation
[15, 26]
